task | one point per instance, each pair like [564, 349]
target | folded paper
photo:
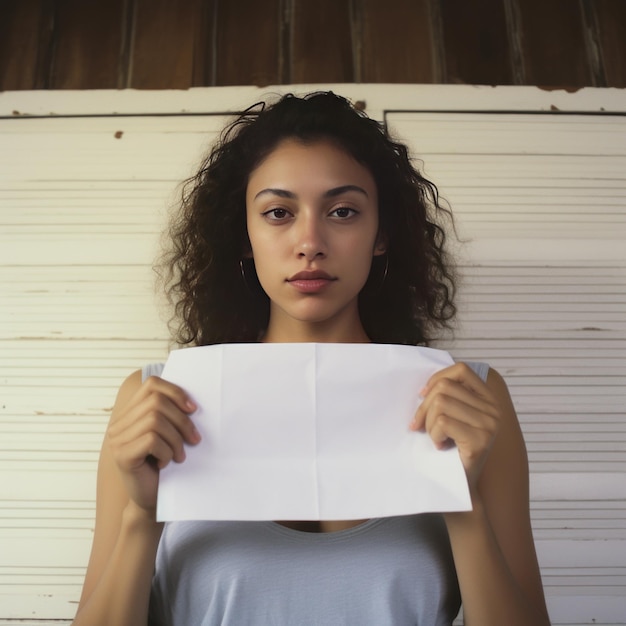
[308, 431]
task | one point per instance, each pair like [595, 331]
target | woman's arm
[493, 547]
[148, 427]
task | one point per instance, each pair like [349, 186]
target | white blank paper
[308, 431]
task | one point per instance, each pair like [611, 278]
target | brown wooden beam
[248, 42]
[26, 29]
[321, 49]
[397, 41]
[475, 41]
[164, 44]
[611, 23]
[88, 40]
[554, 47]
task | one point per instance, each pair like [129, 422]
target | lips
[312, 281]
[310, 275]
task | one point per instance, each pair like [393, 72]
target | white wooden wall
[538, 183]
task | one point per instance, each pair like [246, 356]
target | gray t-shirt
[395, 571]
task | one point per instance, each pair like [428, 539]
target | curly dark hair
[409, 294]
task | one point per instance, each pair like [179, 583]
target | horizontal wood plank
[541, 300]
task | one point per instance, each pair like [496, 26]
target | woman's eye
[276, 214]
[343, 212]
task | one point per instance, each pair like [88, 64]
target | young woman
[307, 223]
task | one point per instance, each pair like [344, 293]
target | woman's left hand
[459, 407]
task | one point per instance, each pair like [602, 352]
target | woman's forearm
[491, 596]
[122, 595]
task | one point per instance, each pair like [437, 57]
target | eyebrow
[331, 193]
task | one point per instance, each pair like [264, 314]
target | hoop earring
[385, 271]
[244, 277]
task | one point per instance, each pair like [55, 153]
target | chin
[318, 316]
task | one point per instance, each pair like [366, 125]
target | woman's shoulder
[480, 368]
[151, 369]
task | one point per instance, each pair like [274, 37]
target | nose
[310, 238]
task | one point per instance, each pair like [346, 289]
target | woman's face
[312, 216]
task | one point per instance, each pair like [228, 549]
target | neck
[305, 332]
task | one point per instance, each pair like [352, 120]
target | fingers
[155, 385]
[459, 408]
[157, 433]
[456, 391]
[149, 448]
[155, 423]
[470, 430]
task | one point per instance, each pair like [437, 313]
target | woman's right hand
[149, 432]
